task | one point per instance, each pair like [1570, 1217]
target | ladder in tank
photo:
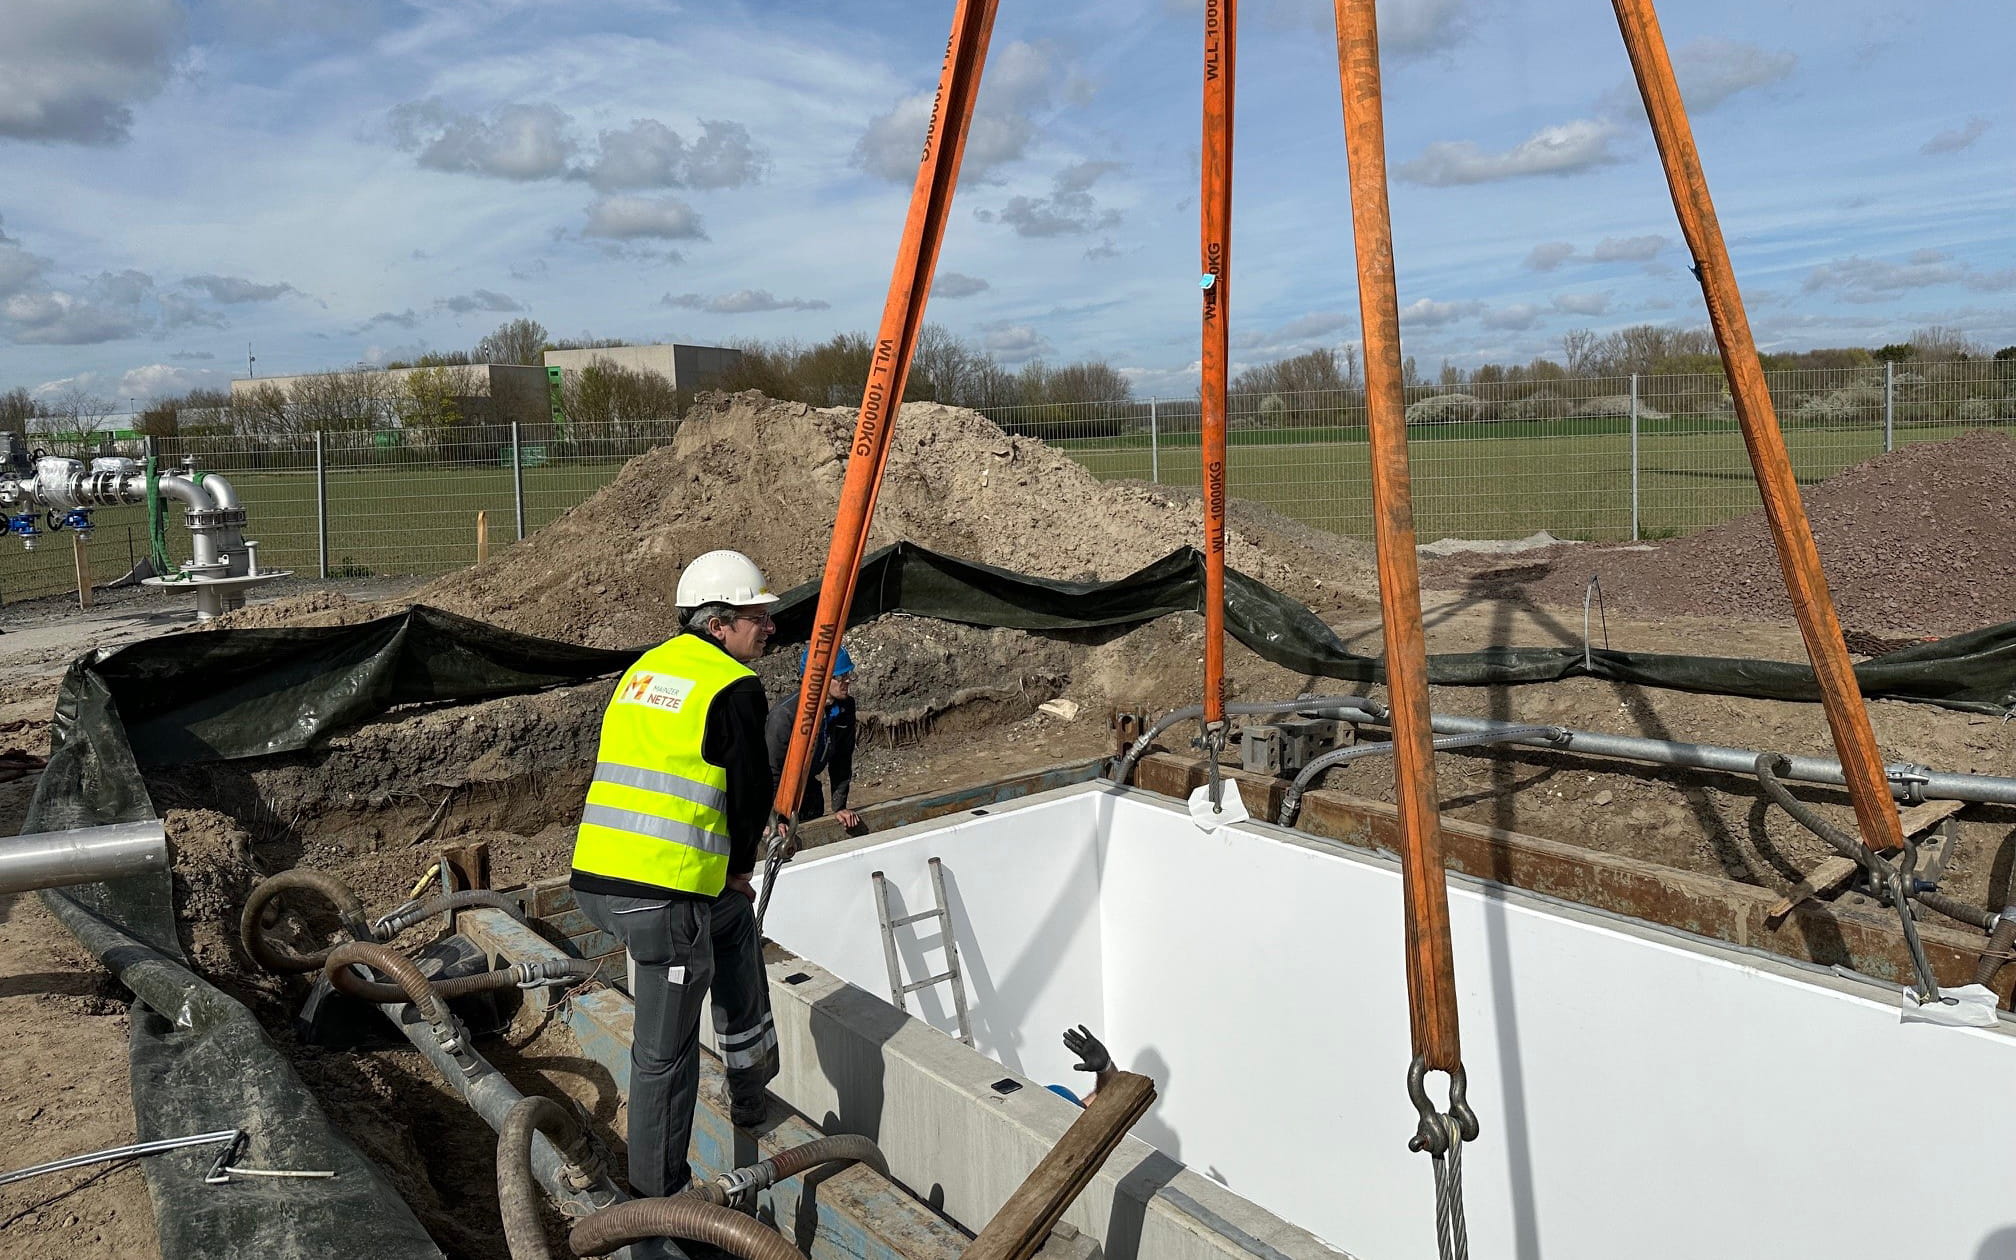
[898, 990]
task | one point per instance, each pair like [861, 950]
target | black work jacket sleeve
[734, 741]
[840, 750]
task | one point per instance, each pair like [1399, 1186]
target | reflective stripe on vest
[655, 810]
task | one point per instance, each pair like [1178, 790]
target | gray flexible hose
[412, 986]
[743, 1184]
[418, 912]
[518, 1194]
[1291, 800]
[278, 958]
[686, 1217]
[1311, 704]
[517, 975]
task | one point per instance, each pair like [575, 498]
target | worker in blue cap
[833, 748]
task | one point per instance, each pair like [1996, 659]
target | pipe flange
[213, 518]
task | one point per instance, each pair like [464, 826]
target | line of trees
[1036, 397]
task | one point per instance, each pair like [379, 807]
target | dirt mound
[316, 608]
[1914, 541]
[764, 477]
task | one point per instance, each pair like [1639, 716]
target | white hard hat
[723, 577]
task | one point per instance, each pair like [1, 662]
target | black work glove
[1091, 1052]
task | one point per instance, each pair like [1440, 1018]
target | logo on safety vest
[660, 691]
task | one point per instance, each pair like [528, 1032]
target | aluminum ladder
[899, 991]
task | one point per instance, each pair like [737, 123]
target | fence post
[321, 506]
[1889, 406]
[1634, 457]
[1154, 444]
[518, 480]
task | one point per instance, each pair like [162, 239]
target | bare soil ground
[942, 705]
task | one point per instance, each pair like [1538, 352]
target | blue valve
[78, 519]
[22, 526]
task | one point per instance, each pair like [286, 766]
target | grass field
[1469, 481]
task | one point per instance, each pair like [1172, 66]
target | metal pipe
[492, 1097]
[196, 498]
[1908, 781]
[86, 855]
[518, 480]
[118, 1152]
[222, 491]
[1291, 801]
[321, 505]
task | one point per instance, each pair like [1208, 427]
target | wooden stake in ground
[482, 537]
[1798, 557]
[83, 556]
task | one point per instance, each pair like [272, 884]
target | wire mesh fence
[1600, 458]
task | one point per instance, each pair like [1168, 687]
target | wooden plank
[1830, 876]
[1019, 1229]
[1920, 819]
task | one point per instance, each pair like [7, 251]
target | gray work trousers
[680, 949]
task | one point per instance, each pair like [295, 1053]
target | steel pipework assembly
[66, 491]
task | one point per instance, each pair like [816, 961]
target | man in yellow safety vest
[662, 860]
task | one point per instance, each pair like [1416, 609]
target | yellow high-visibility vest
[655, 812]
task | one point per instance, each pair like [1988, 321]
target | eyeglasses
[758, 617]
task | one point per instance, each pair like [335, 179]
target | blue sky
[358, 180]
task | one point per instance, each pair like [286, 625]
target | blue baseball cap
[842, 663]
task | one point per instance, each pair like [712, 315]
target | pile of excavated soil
[764, 477]
[1914, 541]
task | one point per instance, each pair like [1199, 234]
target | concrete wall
[687, 367]
[1641, 1091]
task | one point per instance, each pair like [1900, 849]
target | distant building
[687, 367]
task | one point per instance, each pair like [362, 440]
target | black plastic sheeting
[201, 1062]
[1975, 672]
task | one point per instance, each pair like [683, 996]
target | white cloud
[1858, 279]
[1517, 317]
[1428, 313]
[1710, 71]
[648, 154]
[1560, 150]
[479, 300]
[627, 218]
[1958, 138]
[744, 302]
[1069, 210]
[951, 284]
[1582, 303]
[521, 142]
[231, 290]
[1628, 248]
[1013, 343]
[1304, 331]
[1407, 28]
[1016, 84]
[70, 70]
[162, 380]
[1548, 255]
[61, 319]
